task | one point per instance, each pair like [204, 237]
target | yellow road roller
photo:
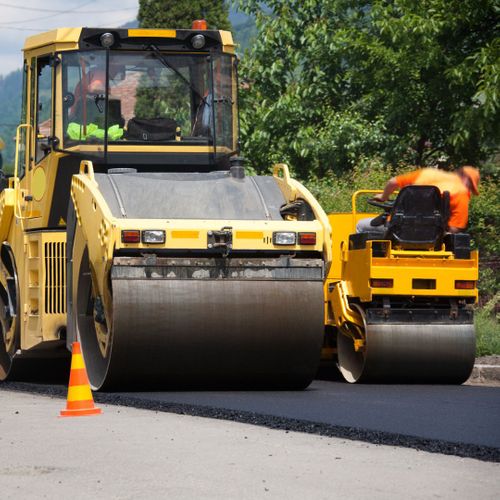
[399, 298]
[131, 226]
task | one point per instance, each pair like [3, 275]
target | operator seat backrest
[419, 218]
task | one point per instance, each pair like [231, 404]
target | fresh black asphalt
[457, 420]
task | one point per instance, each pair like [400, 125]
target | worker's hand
[379, 197]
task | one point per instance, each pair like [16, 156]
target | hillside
[10, 97]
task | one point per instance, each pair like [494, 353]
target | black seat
[419, 218]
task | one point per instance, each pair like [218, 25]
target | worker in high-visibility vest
[461, 185]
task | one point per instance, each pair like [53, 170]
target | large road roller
[131, 226]
[399, 299]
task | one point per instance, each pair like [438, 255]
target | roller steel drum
[207, 333]
[418, 353]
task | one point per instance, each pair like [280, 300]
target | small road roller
[399, 300]
[130, 224]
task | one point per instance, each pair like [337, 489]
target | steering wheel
[69, 99]
[386, 205]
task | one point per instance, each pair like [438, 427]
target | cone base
[84, 412]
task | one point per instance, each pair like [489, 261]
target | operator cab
[130, 98]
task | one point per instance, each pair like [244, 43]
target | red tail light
[465, 285]
[381, 283]
[131, 236]
[307, 238]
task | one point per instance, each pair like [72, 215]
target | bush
[484, 217]
[488, 328]
[334, 191]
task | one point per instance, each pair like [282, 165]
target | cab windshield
[147, 97]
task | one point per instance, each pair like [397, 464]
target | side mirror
[44, 143]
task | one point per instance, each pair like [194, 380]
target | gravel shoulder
[130, 453]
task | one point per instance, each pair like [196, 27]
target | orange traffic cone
[80, 401]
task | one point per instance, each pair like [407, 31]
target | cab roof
[126, 39]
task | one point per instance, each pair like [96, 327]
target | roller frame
[280, 298]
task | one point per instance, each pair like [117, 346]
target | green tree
[181, 13]
[332, 81]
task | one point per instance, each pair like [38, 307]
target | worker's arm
[390, 187]
[397, 182]
[459, 213]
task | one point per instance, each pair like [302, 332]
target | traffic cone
[80, 401]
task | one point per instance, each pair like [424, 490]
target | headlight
[107, 40]
[155, 236]
[198, 41]
[284, 238]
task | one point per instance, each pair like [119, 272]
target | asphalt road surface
[456, 420]
[129, 453]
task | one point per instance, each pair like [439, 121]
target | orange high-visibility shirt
[444, 181]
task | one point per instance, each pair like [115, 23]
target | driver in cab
[87, 119]
[93, 82]
[461, 184]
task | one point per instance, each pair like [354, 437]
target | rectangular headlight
[284, 238]
[155, 236]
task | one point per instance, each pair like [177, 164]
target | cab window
[23, 152]
[43, 108]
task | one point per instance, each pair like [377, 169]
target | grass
[488, 329]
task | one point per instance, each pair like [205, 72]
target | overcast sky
[20, 19]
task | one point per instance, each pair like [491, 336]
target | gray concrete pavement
[486, 372]
[129, 453]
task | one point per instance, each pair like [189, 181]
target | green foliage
[334, 191]
[484, 217]
[330, 81]
[10, 97]
[181, 13]
[484, 226]
[488, 328]
[489, 280]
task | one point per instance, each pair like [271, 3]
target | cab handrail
[18, 133]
